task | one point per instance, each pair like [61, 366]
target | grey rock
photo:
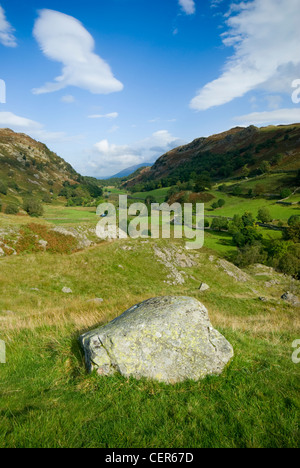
[67, 291]
[168, 339]
[204, 287]
[43, 244]
[291, 298]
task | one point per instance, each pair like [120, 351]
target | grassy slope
[239, 205]
[48, 400]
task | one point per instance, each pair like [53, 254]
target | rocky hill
[227, 154]
[29, 166]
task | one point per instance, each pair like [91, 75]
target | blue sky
[112, 83]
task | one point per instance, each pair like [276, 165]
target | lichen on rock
[169, 339]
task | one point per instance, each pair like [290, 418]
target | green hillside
[29, 169]
[228, 155]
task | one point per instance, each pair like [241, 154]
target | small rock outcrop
[168, 339]
[291, 298]
[204, 287]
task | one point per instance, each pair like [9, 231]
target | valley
[58, 281]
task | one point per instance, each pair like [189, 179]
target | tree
[12, 209]
[250, 254]
[219, 224]
[265, 167]
[293, 233]
[285, 193]
[47, 198]
[3, 187]
[221, 203]
[293, 220]
[222, 188]
[33, 207]
[244, 231]
[264, 215]
[246, 171]
[203, 182]
[237, 190]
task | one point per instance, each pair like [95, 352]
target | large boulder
[169, 339]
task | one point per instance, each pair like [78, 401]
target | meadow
[48, 399]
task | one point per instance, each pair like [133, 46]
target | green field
[48, 399]
[159, 194]
[63, 215]
[239, 205]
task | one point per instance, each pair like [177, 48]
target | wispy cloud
[265, 35]
[7, 37]
[33, 128]
[188, 6]
[112, 115]
[68, 99]
[64, 39]
[278, 116]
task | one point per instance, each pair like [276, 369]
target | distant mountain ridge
[228, 153]
[129, 171]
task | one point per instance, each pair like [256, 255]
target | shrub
[33, 207]
[264, 215]
[290, 265]
[222, 188]
[47, 198]
[295, 219]
[250, 254]
[285, 193]
[237, 191]
[293, 233]
[221, 203]
[12, 209]
[3, 187]
[219, 224]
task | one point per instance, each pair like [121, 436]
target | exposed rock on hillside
[169, 339]
[173, 258]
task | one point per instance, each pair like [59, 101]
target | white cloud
[112, 115]
[33, 128]
[108, 159]
[265, 35]
[68, 99]
[188, 6]
[278, 116]
[64, 39]
[11, 120]
[7, 37]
